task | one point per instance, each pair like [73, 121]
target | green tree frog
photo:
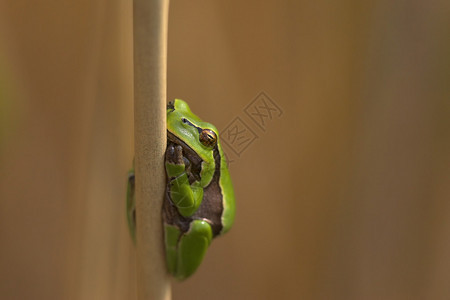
[199, 200]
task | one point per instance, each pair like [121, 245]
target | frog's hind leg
[185, 252]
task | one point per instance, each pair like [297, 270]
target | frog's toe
[131, 206]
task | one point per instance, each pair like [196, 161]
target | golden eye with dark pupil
[208, 138]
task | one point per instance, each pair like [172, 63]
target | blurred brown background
[344, 196]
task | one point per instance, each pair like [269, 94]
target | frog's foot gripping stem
[131, 206]
[185, 252]
[187, 197]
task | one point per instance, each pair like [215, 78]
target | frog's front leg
[186, 197]
[185, 251]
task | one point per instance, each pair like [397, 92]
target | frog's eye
[208, 138]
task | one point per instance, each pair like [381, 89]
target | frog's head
[183, 125]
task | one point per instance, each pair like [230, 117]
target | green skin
[199, 202]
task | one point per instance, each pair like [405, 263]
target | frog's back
[229, 205]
